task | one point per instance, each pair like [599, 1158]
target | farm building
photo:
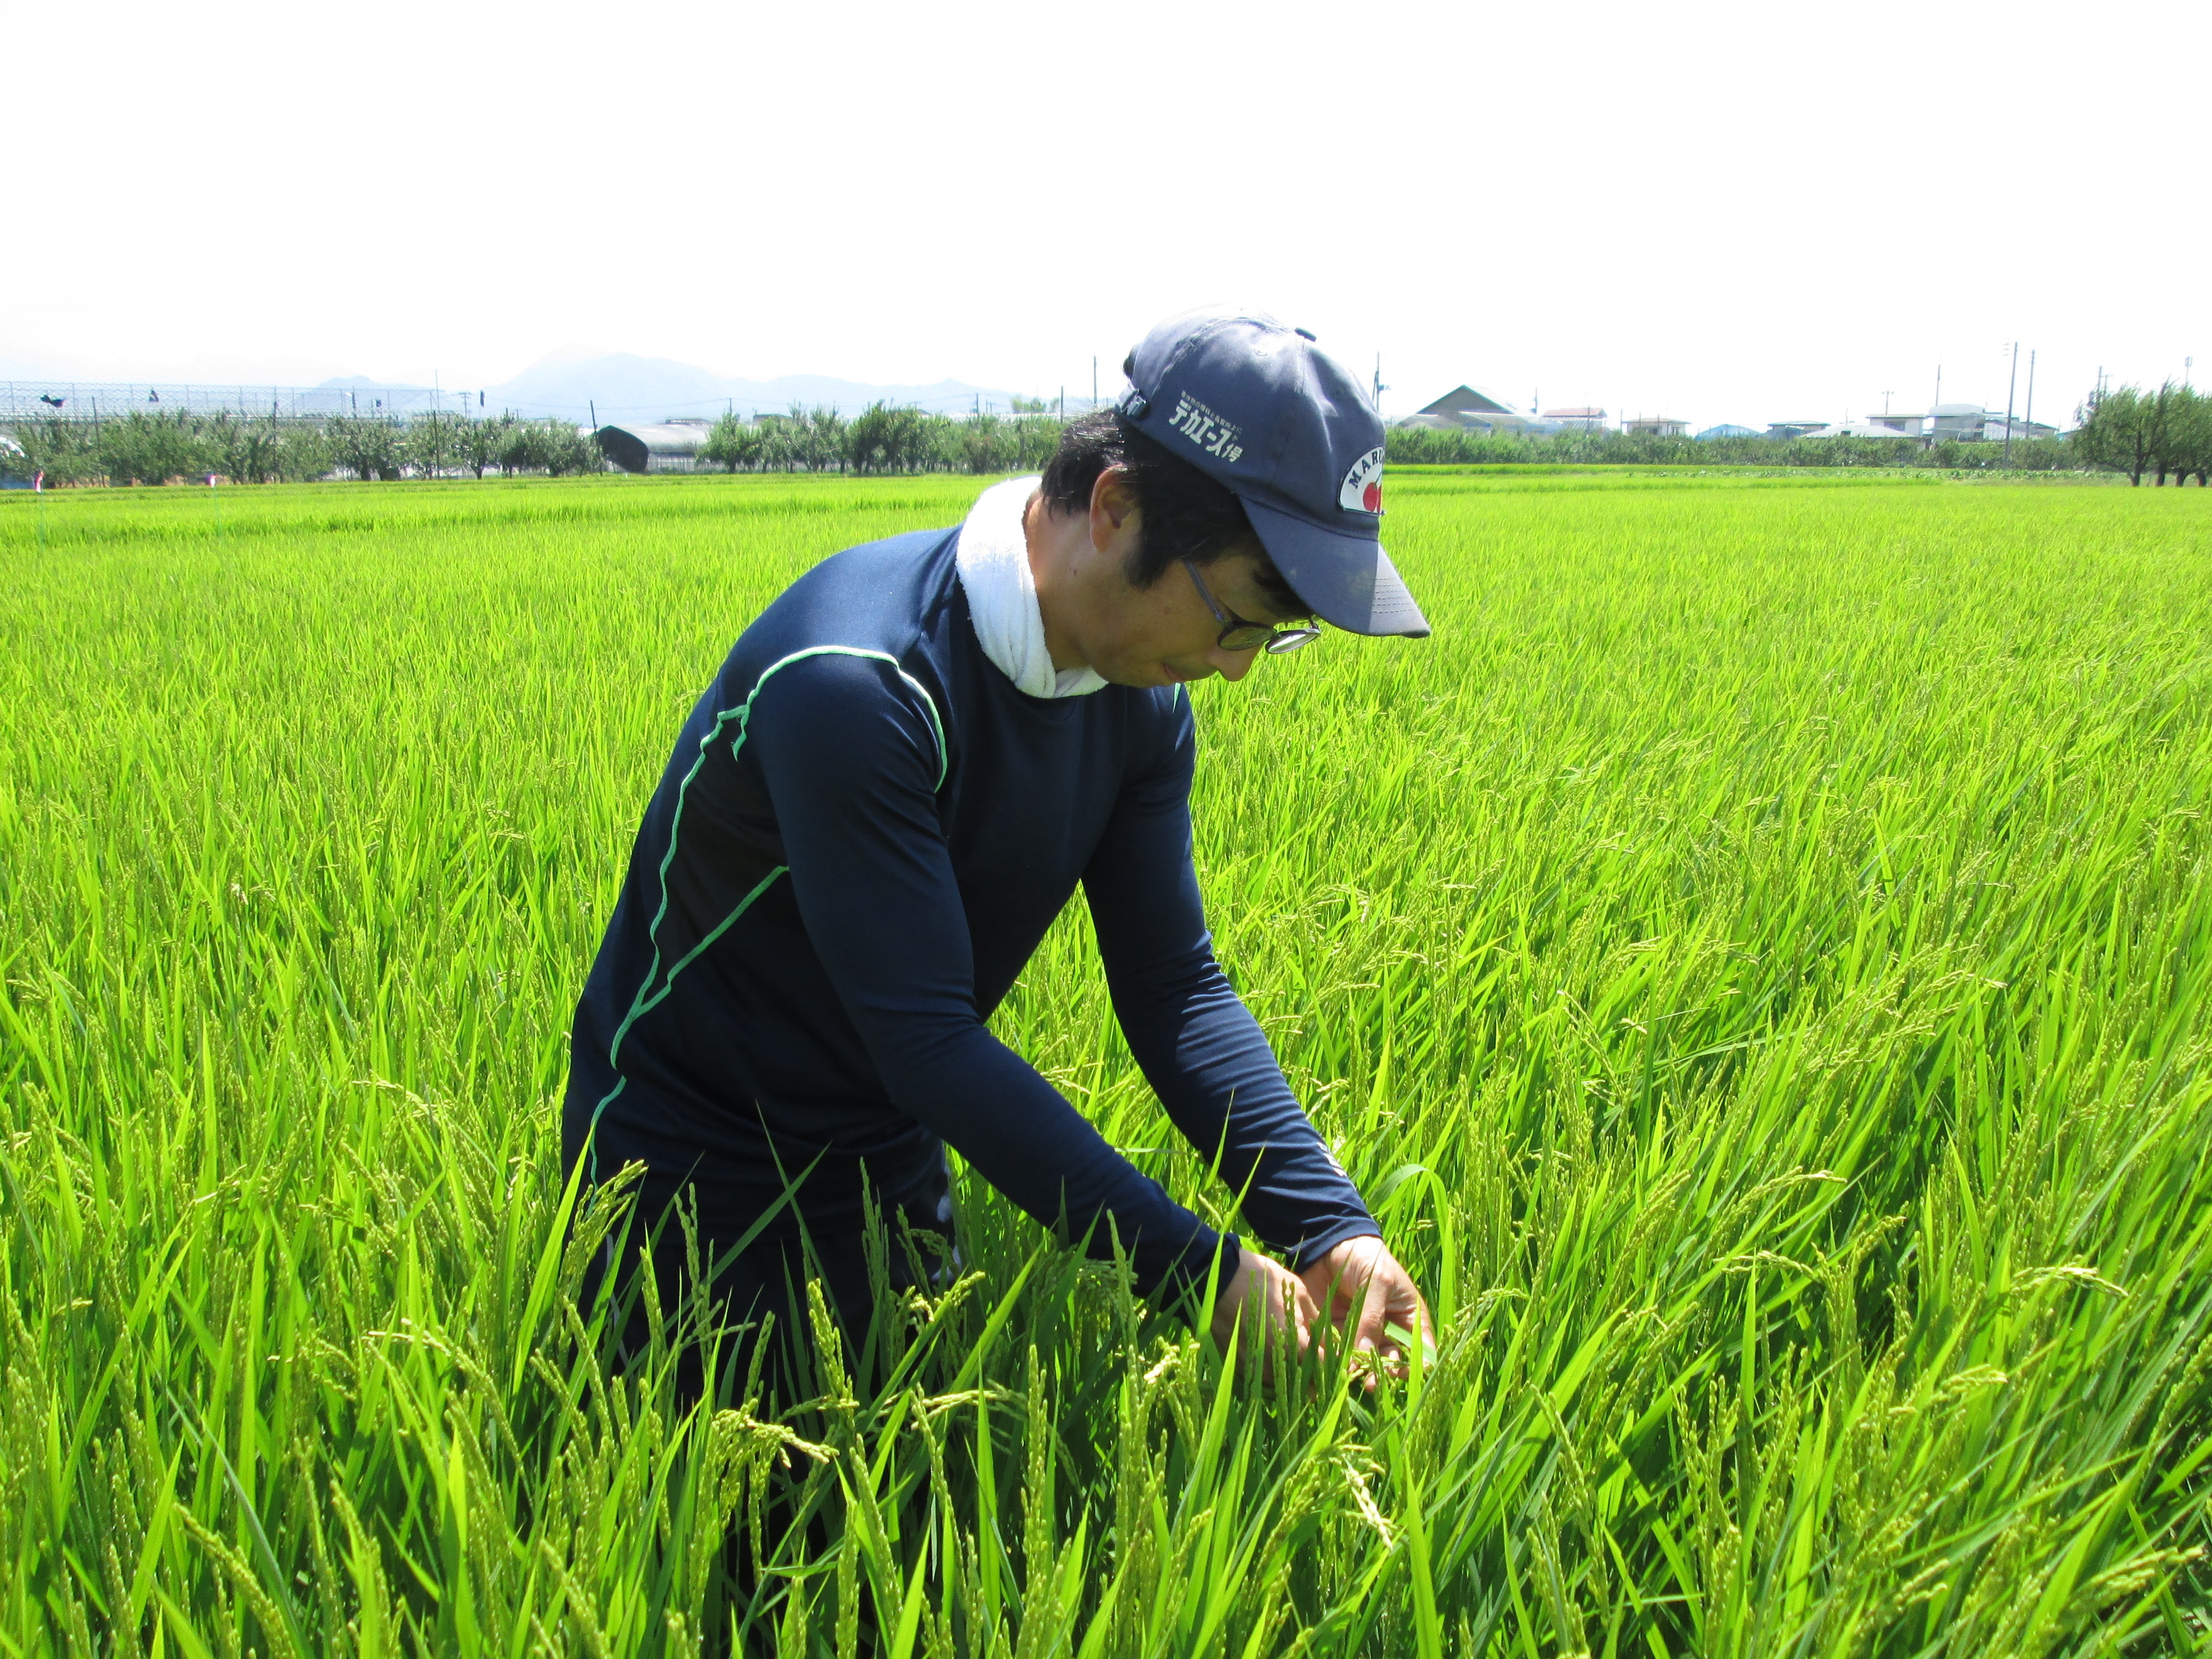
[1725, 431]
[1962, 422]
[1794, 428]
[1657, 426]
[1466, 400]
[1866, 428]
[664, 447]
[1463, 408]
[1582, 419]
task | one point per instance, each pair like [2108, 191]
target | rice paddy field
[1756, 958]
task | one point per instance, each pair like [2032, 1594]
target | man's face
[1165, 633]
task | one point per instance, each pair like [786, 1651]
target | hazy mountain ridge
[623, 387]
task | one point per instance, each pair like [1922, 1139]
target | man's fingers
[1413, 1310]
[1283, 1310]
[1294, 1306]
[1337, 1283]
[1405, 1319]
[1367, 1336]
[1346, 1283]
[1273, 1297]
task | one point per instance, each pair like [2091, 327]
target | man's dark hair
[1184, 513]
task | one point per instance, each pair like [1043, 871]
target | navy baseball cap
[1257, 407]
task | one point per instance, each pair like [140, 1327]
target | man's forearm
[1025, 1137]
[1209, 1062]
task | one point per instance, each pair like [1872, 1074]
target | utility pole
[2028, 418]
[2011, 382]
[1379, 387]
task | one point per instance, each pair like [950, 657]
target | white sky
[1730, 211]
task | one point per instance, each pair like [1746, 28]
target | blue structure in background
[1726, 432]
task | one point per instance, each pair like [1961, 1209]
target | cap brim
[1349, 580]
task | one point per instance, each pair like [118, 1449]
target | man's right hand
[1273, 1297]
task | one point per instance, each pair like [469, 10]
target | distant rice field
[1756, 958]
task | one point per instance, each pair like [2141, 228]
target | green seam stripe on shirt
[647, 997]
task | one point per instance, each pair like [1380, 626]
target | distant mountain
[622, 386]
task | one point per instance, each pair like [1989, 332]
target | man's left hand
[1361, 1274]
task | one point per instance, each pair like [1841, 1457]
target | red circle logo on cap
[1362, 490]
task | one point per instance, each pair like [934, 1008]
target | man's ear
[1113, 502]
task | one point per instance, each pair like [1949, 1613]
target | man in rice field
[899, 777]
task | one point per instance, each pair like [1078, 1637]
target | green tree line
[882, 438]
[159, 447]
[1429, 445]
[2168, 431]
[2157, 434]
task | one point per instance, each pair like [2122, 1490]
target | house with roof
[1466, 400]
[1582, 419]
[1465, 408]
[1957, 422]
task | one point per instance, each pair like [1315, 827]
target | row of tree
[2162, 434]
[1410, 446]
[158, 448]
[2168, 431]
[882, 438]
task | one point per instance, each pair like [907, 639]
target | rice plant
[1757, 959]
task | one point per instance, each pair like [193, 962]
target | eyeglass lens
[1238, 635]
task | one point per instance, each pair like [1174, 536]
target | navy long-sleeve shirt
[863, 833]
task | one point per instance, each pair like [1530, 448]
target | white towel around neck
[993, 560]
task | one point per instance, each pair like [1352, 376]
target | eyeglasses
[1239, 634]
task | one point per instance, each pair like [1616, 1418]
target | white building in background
[1968, 423]
[1464, 400]
[1960, 423]
[1583, 419]
[1464, 409]
[1657, 426]
[1971, 423]
[1870, 427]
